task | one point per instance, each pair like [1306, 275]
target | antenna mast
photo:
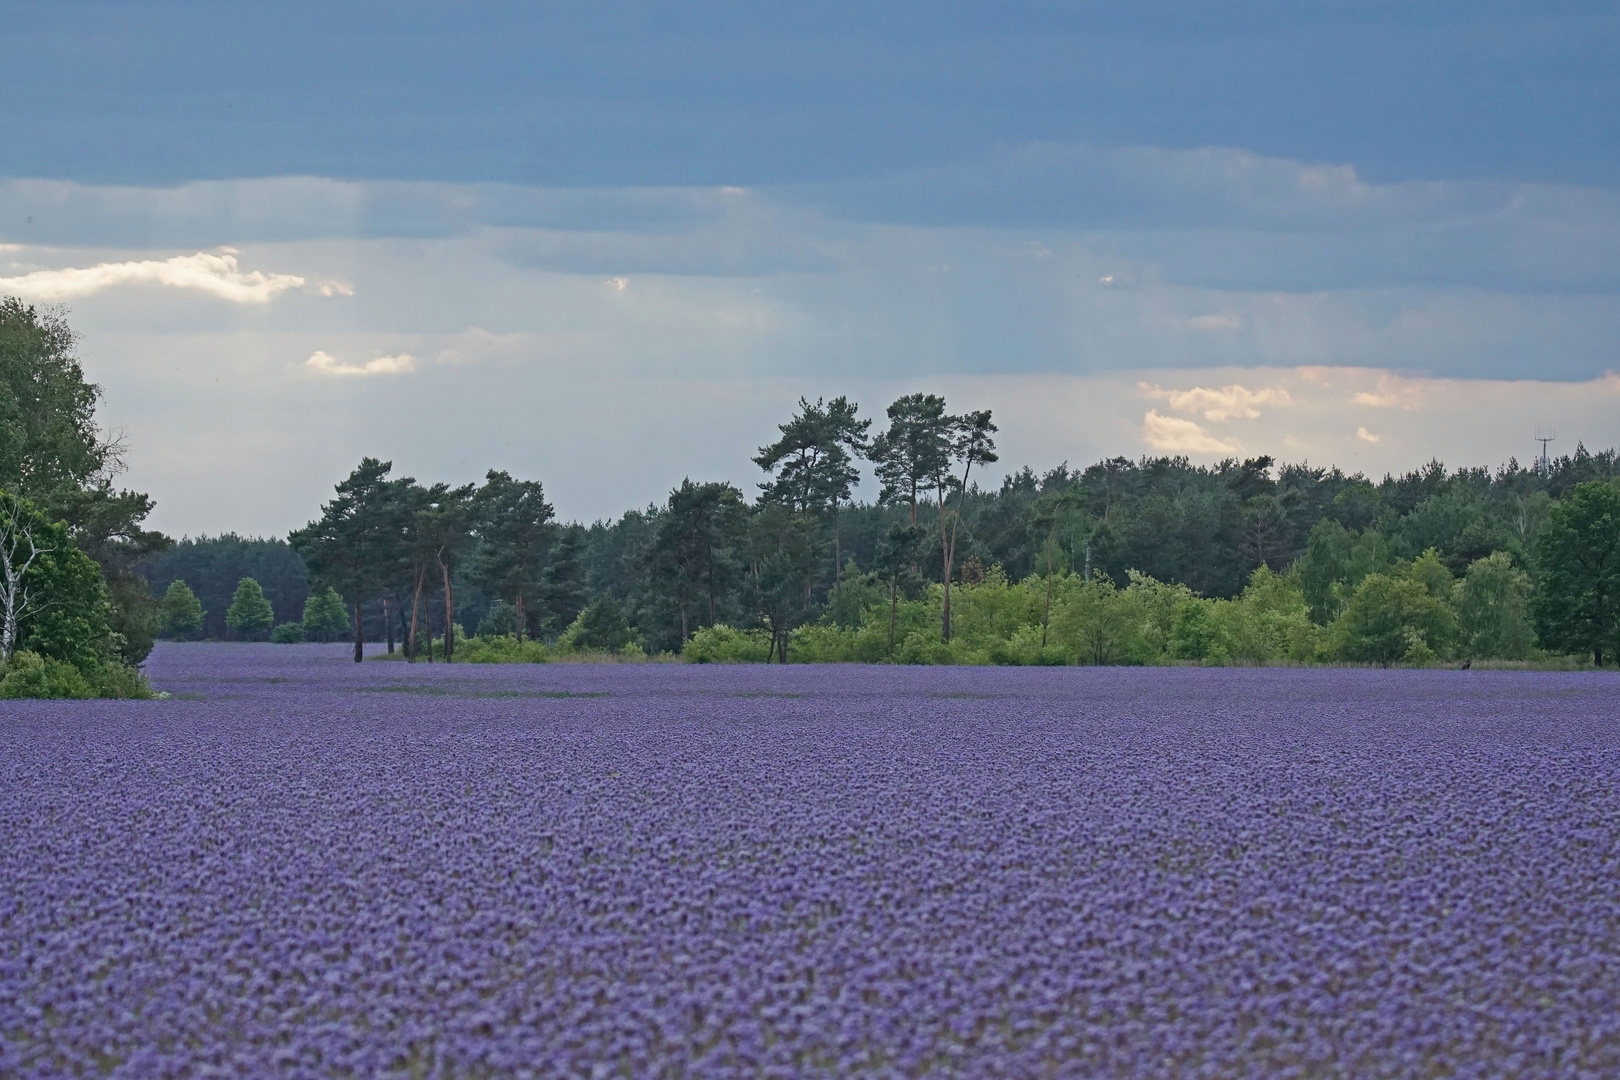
[1543, 466]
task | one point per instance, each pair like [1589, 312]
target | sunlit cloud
[216, 275]
[1366, 436]
[1173, 435]
[323, 364]
[1226, 403]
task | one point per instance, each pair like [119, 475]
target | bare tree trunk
[388, 626]
[945, 561]
[359, 628]
[683, 626]
[449, 615]
[427, 617]
[521, 624]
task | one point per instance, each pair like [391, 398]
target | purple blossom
[302, 867]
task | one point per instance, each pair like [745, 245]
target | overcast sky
[610, 247]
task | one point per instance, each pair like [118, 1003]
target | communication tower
[1543, 466]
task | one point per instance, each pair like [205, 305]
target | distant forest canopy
[1207, 527]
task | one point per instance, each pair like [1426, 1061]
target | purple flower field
[298, 867]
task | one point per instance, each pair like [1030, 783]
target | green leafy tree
[53, 600]
[1578, 602]
[325, 616]
[514, 528]
[250, 614]
[781, 546]
[288, 633]
[1493, 608]
[181, 611]
[601, 627]
[693, 553]
[1391, 618]
[49, 442]
[971, 445]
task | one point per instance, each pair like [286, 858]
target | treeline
[801, 571]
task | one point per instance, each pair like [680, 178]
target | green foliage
[181, 613]
[501, 649]
[49, 442]
[1393, 618]
[250, 613]
[1578, 606]
[288, 633]
[499, 618]
[66, 617]
[1493, 609]
[325, 616]
[513, 523]
[601, 627]
[30, 675]
[721, 644]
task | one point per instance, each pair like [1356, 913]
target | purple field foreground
[301, 867]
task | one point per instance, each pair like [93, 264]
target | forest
[1151, 560]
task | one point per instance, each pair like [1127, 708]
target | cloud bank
[215, 275]
[322, 364]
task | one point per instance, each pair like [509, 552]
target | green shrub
[721, 644]
[113, 679]
[30, 675]
[288, 633]
[501, 649]
[250, 613]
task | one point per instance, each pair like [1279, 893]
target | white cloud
[1225, 403]
[619, 283]
[323, 364]
[1366, 436]
[1174, 435]
[214, 274]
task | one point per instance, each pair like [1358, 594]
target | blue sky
[609, 246]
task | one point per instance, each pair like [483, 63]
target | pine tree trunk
[521, 625]
[449, 616]
[412, 648]
[359, 629]
[388, 626]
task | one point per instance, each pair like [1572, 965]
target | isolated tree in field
[692, 556]
[250, 614]
[354, 544]
[514, 527]
[180, 611]
[1578, 606]
[325, 616]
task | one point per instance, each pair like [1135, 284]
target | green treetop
[250, 613]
